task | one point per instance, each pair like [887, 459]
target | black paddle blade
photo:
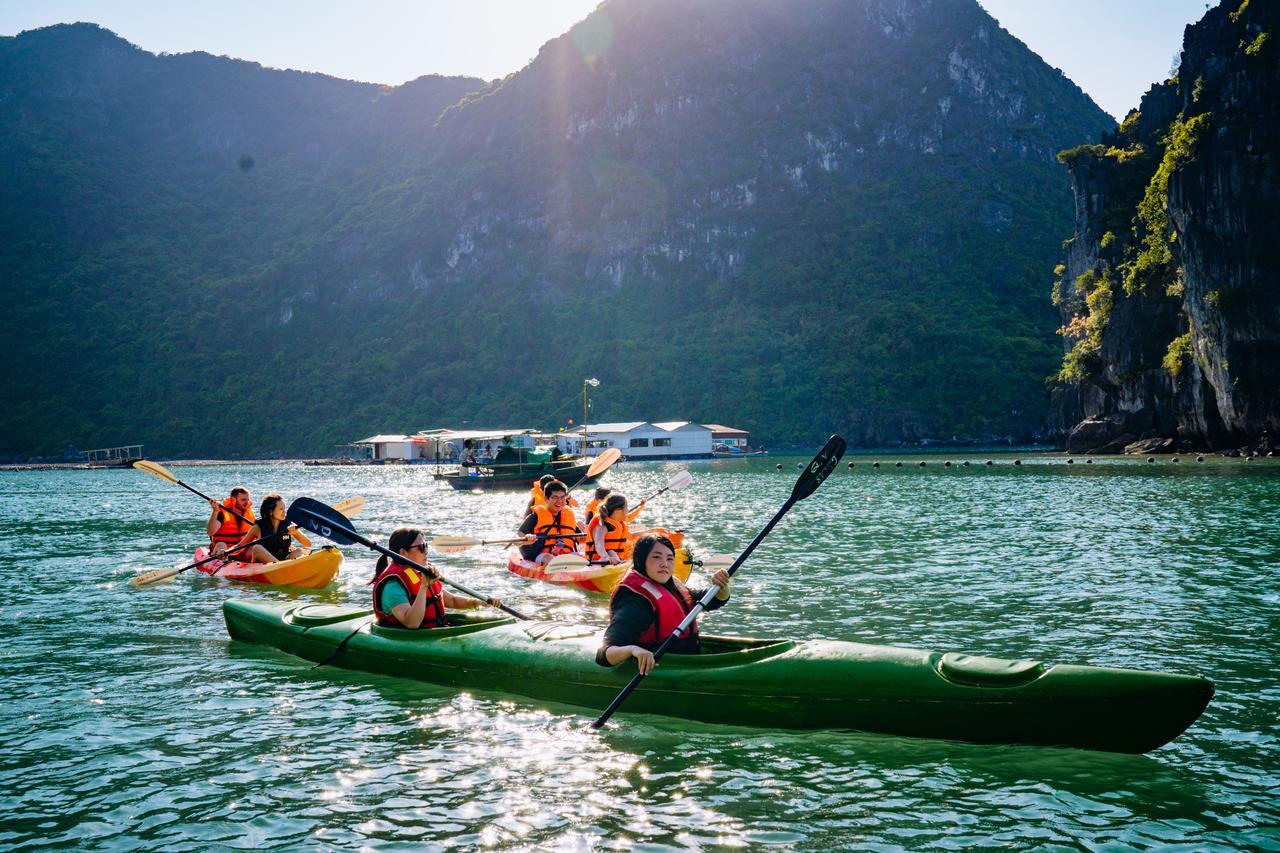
[320, 518]
[821, 466]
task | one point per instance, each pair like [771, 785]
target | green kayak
[768, 683]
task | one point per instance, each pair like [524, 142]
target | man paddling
[547, 527]
[223, 527]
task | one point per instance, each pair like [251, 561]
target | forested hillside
[796, 218]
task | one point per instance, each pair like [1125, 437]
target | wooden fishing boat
[513, 476]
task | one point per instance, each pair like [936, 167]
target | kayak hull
[762, 683]
[601, 579]
[315, 571]
[515, 477]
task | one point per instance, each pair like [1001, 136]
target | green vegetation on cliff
[792, 219]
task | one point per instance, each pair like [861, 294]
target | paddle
[164, 574]
[570, 562]
[331, 524]
[602, 464]
[817, 471]
[155, 469]
[351, 506]
[458, 544]
[675, 484]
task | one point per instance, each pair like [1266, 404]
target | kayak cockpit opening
[459, 624]
[558, 630]
[730, 651]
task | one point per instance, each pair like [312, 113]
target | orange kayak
[315, 571]
[601, 578]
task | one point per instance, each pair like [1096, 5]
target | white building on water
[639, 440]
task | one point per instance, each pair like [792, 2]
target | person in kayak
[546, 528]
[648, 605]
[225, 529]
[271, 526]
[403, 597]
[537, 496]
[608, 540]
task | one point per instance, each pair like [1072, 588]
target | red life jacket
[553, 523]
[616, 539]
[412, 580]
[669, 610]
[232, 529]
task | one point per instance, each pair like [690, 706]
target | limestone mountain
[798, 217]
[1170, 292]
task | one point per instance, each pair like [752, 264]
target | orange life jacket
[616, 539]
[232, 530]
[552, 524]
[669, 611]
[412, 580]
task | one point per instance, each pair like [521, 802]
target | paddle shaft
[655, 494]
[405, 561]
[693, 614]
[222, 556]
[817, 471]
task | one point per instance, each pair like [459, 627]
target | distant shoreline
[856, 455]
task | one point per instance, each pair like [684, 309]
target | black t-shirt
[530, 552]
[630, 613]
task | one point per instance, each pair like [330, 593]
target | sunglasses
[421, 546]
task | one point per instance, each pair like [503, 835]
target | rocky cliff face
[1170, 291]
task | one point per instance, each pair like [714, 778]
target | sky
[1113, 49]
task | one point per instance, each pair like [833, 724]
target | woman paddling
[648, 605]
[403, 597]
[271, 526]
[608, 540]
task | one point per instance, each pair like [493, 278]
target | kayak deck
[773, 683]
[314, 571]
[595, 578]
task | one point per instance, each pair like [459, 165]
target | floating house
[639, 440]
[384, 448]
[723, 436]
[442, 445]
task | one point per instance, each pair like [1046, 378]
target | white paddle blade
[454, 544]
[155, 470]
[567, 561]
[157, 576]
[679, 481]
[717, 561]
[351, 506]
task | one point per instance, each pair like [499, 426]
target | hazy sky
[1113, 49]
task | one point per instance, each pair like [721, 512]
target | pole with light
[594, 383]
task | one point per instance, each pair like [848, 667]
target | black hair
[267, 524]
[615, 501]
[554, 486]
[400, 539]
[603, 492]
[640, 551]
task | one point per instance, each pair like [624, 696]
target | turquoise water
[131, 720]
